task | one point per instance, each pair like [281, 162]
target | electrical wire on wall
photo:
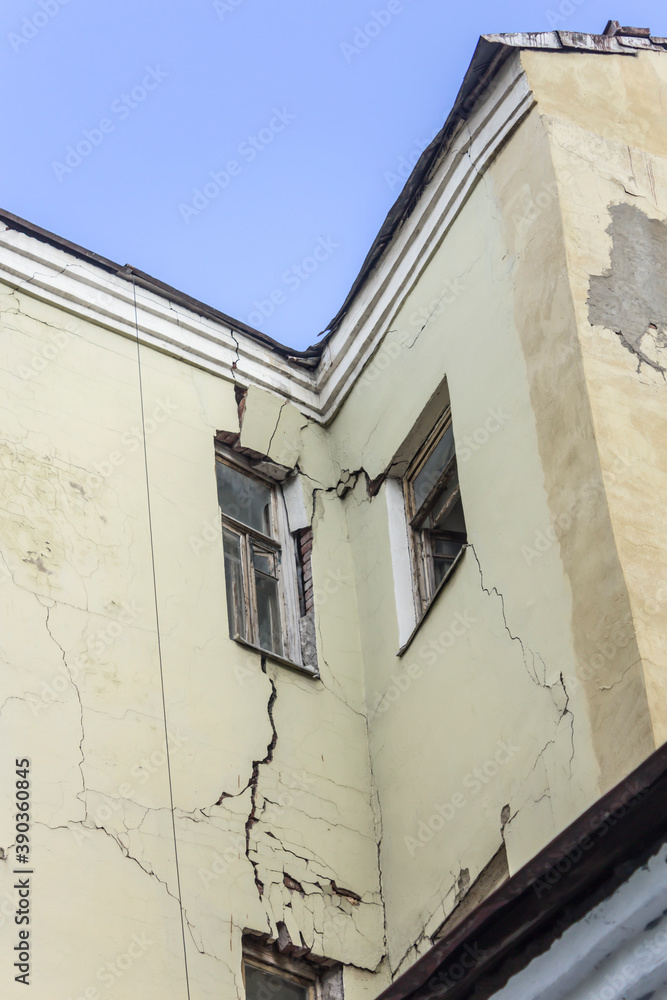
[159, 645]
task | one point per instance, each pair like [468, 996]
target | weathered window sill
[406, 645]
[276, 658]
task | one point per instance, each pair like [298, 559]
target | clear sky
[117, 112]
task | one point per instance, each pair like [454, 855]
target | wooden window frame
[421, 538]
[290, 963]
[281, 544]
[284, 969]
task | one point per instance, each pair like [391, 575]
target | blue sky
[295, 124]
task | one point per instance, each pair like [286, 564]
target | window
[252, 557]
[435, 512]
[264, 983]
[274, 972]
[268, 576]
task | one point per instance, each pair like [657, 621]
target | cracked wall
[531, 646]
[273, 812]
[607, 141]
[351, 814]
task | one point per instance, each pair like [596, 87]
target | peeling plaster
[631, 298]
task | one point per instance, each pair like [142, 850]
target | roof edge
[161, 288]
[579, 868]
[490, 54]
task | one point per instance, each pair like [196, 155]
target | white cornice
[505, 104]
[90, 292]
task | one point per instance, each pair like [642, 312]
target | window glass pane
[261, 985]
[234, 582]
[454, 520]
[268, 606]
[444, 553]
[243, 498]
[445, 547]
[444, 505]
[434, 466]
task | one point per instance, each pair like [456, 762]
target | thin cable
[159, 645]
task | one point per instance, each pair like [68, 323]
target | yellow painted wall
[609, 147]
[82, 693]
[535, 683]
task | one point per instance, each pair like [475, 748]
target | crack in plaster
[532, 673]
[78, 695]
[236, 360]
[280, 413]
[254, 780]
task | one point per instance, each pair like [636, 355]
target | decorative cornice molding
[93, 293]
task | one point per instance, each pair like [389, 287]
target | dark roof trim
[486, 61]
[520, 920]
[491, 52]
[154, 285]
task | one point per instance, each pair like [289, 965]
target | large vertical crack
[254, 780]
[377, 811]
[531, 670]
[78, 695]
[280, 413]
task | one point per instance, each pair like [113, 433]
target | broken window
[252, 556]
[281, 971]
[262, 984]
[435, 512]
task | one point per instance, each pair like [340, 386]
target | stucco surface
[608, 148]
[82, 690]
[351, 812]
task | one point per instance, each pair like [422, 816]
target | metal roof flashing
[491, 53]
